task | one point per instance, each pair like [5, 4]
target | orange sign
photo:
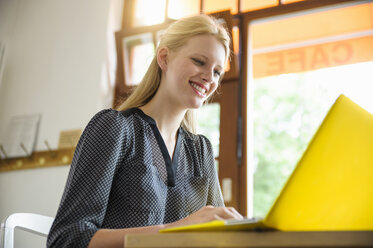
[313, 57]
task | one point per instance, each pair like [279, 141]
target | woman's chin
[196, 105]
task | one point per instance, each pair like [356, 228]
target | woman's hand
[206, 214]
[114, 237]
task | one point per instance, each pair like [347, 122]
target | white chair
[33, 223]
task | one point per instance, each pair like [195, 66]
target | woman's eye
[198, 62]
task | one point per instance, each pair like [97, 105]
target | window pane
[138, 53]
[181, 8]
[149, 12]
[210, 6]
[318, 25]
[249, 5]
[289, 104]
[209, 124]
[288, 110]
[278, 49]
[236, 39]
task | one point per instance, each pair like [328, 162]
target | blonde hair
[176, 36]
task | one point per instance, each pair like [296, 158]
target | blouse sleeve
[84, 201]
[214, 197]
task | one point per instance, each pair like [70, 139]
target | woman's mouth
[198, 89]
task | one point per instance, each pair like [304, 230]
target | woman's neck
[167, 117]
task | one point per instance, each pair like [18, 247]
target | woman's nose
[207, 75]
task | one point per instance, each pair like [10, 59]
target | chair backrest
[34, 223]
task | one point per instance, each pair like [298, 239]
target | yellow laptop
[332, 186]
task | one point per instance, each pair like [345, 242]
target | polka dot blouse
[122, 176]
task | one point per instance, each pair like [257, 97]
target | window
[149, 12]
[209, 124]
[181, 8]
[210, 6]
[300, 64]
[138, 54]
[249, 5]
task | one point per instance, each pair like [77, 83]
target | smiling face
[192, 73]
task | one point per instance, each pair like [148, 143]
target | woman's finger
[236, 214]
[227, 213]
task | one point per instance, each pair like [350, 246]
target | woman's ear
[162, 58]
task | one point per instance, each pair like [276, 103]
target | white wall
[54, 56]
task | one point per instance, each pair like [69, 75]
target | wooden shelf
[38, 160]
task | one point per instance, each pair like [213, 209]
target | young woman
[141, 168]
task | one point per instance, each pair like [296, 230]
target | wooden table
[251, 239]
